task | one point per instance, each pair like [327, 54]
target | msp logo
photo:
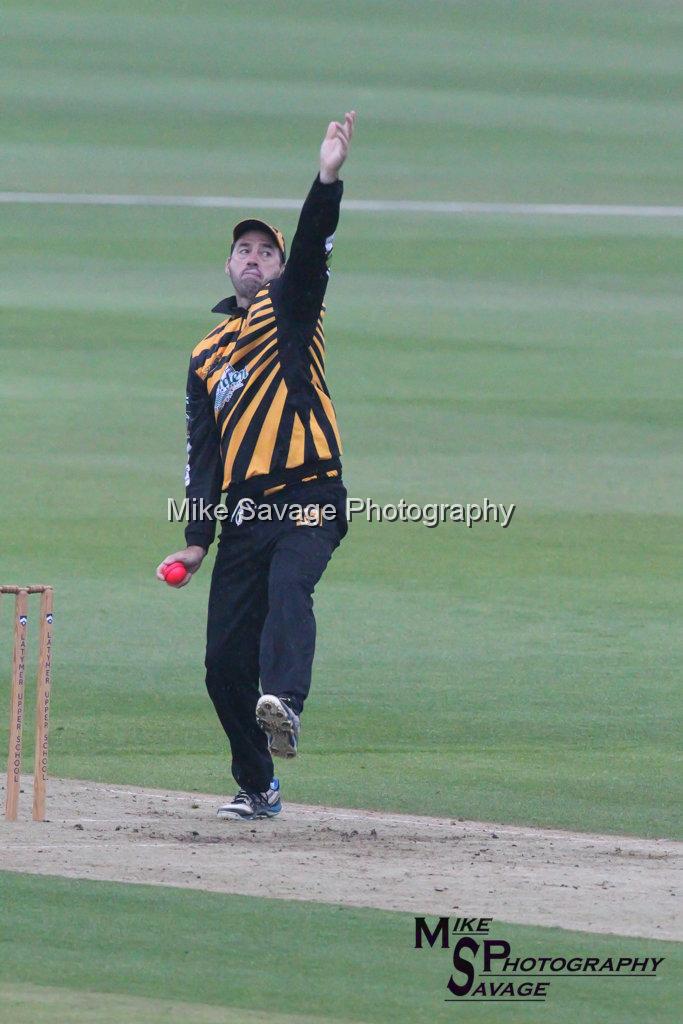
[231, 381]
[485, 969]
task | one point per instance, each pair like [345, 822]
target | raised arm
[303, 283]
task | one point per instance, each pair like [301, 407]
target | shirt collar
[230, 307]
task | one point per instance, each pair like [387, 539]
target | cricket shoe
[280, 724]
[247, 806]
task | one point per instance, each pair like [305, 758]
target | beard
[248, 287]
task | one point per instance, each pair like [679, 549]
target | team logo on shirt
[231, 381]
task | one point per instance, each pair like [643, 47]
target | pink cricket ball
[174, 572]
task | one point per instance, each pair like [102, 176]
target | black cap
[260, 225]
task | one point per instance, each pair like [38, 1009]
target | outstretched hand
[335, 147]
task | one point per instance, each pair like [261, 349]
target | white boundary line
[359, 205]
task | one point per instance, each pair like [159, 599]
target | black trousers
[260, 624]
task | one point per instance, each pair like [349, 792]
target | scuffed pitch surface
[608, 884]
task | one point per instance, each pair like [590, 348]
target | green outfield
[524, 675]
[274, 961]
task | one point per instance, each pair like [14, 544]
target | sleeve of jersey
[204, 469]
[303, 283]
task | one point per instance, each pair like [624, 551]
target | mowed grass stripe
[38, 1004]
[357, 205]
[470, 100]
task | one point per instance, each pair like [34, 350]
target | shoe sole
[273, 719]
[234, 816]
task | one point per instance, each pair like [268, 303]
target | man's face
[255, 260]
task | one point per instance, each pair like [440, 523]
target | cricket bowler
[262, 430]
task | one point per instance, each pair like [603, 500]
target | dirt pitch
[594, 883]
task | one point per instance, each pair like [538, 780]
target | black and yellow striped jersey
[259, 413]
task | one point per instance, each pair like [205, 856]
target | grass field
[527, 675]
[206, 951]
